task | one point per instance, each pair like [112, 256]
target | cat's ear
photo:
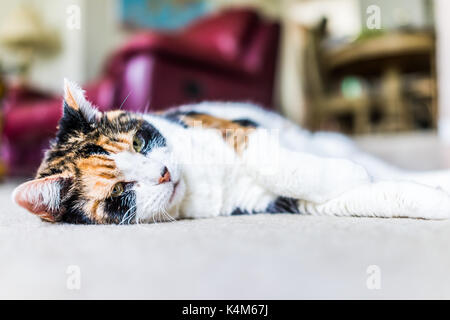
[75, 103]
[43, 196]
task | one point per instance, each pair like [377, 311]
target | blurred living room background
[362, 67]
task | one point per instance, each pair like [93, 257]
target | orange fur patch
[233, 133]
[70, 100]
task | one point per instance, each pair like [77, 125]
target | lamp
[25, 36]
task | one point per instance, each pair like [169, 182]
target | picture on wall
[160, 14]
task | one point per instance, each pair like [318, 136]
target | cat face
[111, 167]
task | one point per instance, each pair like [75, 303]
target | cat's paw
[339, 176]
[429, 203]
[407, 200]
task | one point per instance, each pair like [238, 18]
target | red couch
[228, 56]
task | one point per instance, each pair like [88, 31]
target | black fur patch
[72, 121]
[151, 136]
[117, 207]
[246, 123]
[76, 216]
[239, 212]
[279, 205]
[175, 116]
[283, 205]
[73, 214]
[90, 149]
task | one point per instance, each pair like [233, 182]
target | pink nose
[165, 176]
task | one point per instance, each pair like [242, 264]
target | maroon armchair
[228, 56]
[30, 119]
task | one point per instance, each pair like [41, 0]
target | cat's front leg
[299, 175]
[387, 199]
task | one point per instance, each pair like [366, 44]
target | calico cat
[213, 159]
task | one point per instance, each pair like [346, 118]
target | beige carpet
[244, 257]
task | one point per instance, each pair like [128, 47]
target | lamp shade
[23, 29]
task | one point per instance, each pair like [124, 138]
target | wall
[442, 8]
[395, 13]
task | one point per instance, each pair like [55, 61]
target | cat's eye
[117, 190]
[138, 143]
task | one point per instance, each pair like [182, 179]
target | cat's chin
[171, 201]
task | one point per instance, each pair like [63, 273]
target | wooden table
[388, 56]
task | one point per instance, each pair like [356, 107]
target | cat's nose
[165, 176]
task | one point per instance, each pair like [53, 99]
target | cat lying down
[214, 159]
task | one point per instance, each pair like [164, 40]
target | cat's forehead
[116, 122]
[111, 134]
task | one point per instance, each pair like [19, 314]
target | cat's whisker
[131, 217]
[125, 216]
[127, 213]
[124, 100]
[145, 207]
[157, 213]
[147, 106]
[166, 214]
